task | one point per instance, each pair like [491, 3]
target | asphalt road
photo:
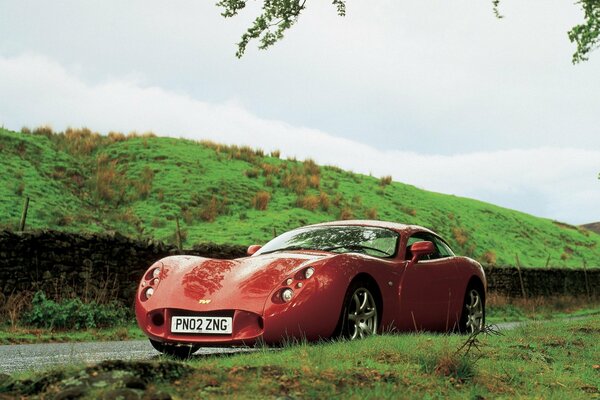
[14, 358]
[22, 357]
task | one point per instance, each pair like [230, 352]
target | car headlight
[156, 273]
[286, 294]
[308, 272]
[149, 292]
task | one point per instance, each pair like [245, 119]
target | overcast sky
[436, 93]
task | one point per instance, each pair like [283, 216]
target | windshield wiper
[289, 248]
[356, 247]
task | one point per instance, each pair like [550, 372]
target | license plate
[214, 325]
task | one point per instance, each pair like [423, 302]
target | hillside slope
[139, 185]
[594, 227]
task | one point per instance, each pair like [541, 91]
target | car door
[426, 287]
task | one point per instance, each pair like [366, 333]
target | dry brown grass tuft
[115, 137]
[44, 130]
[261, 199]
[211, 210]
[13, 306]
[460, 235]
[309, 202]
[310, 167]
[371, 213]
[314, 181]
[346, 213]
[269, 169]
[489, 257]
[324, 201]
[276, 154]
[385, 180]
[252, 173]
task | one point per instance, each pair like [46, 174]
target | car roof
[401, 228]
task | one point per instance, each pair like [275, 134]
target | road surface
[22, 357]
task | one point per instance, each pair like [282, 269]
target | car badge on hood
[203, 301]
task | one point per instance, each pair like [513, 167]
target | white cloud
[557, 183]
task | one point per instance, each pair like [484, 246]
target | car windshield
[378, 242]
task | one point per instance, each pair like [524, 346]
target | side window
[442, 249]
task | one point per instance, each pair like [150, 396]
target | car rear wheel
[473, 313]
[360, 316]
[175, 350]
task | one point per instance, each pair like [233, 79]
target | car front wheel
[360, 318]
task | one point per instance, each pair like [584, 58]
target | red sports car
[338, 279]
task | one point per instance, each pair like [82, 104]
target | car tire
[472, 319]
[360, 313]
[174, 350]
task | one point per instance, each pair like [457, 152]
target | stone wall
[544, 281]
[91, 266]
[109, 266]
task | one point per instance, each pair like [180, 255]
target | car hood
[201, 284]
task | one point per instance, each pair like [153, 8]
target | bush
[72, 313]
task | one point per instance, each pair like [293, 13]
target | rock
[133, 382]
[70, 394]
[121, 394]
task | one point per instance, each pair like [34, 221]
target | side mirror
[253, 249]
[421, 249]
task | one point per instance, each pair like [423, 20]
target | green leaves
[72, 313]
[269, 27]
[586, 35]
[279, 15]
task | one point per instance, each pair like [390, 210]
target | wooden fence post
[521, 277]
[587, 285]
[24, 215]
[178, 234]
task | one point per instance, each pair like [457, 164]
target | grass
[139, 185]
[498, 309]
[25, 335]
[550, 360]
[503, 309]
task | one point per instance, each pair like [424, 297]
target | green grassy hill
[138, 185]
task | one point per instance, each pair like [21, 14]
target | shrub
[260, 201]
[72, 313]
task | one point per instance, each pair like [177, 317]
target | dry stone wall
[109, 266]
[90, 266]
